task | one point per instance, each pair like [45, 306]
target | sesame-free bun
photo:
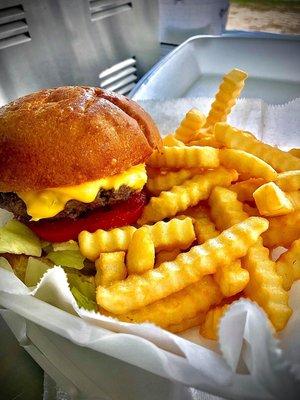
[70, 135]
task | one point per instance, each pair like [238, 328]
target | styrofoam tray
[196, 67]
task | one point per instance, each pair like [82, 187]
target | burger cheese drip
[49, 202]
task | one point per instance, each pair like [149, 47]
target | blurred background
[112, 43]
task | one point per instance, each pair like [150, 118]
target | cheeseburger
[73, 159]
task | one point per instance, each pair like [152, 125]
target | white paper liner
[271, 367]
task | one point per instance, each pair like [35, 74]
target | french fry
[165, 182]
[236, 139]
[245, 189]
[226, 97]
[166, 255]
[251, 211]
[110, 268]
[141, 252]
[283, 230]
[204, 227]
[289, 181]
[246, 163]
[185, 157]
[265, 286]
[139, 290]
[187, 323]
[173, 234]
[294, 198]
[93, 244]
[232, 278]
[170, 141]
[210, 327]
[186, 303]
[226, 210]
[206, 140]
[271, 201]
[295, 152]
[179, 198]
[190, 125]
[288, 265]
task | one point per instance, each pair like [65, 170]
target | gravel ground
[265, 18]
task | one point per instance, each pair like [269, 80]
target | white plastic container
[195, 68]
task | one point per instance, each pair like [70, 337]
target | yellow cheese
[49, 202]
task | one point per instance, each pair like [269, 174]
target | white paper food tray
[195, 68]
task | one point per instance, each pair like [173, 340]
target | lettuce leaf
[84, 284]
[67, 258]
[17, 238]
[69, 245]
[83, 301]
[5, 264]
[34, 271]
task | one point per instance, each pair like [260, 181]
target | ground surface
[266, 16]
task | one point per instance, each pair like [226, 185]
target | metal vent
[106, 8]
[120, 78]
[13, 27]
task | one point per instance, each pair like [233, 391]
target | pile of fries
[221, 200]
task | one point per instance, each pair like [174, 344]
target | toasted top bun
[70, 135]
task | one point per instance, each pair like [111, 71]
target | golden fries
[179, 198]
[271, 200]
[206, 140]
[294, 198]
[265, 286]
[190, 125]
[210, 327]
[289, 181]
[236, 139]
[165, 182]
[295, 152]
[232, 278]
[185, 157]
[110, 268]
[204, 229]
[174, 234]
[288, 265]
[166, 255]
[93, 244]
[226, 210]
[283, 230]
[139, 290]
[245, 189]
[187, 323]
[246, 163]
[187, 303]
[141, 252]
[226, 97]
[170, 141]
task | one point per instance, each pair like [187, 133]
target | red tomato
[121, 214]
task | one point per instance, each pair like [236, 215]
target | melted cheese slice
[49, 202]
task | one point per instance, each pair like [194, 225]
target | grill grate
[13, 27]
[120, 77]
[106, 8]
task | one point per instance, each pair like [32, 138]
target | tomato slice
[121, 214]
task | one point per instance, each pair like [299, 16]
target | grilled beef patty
[11, 201]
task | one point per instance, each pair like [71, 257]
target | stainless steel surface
[68, 42]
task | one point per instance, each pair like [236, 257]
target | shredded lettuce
[83, 301]
[5, 264]
[5, 216]
[67, 258]
[17, 238]
[34, 271]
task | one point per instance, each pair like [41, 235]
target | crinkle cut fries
[220, 199]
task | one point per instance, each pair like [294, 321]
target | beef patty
[11, 201]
